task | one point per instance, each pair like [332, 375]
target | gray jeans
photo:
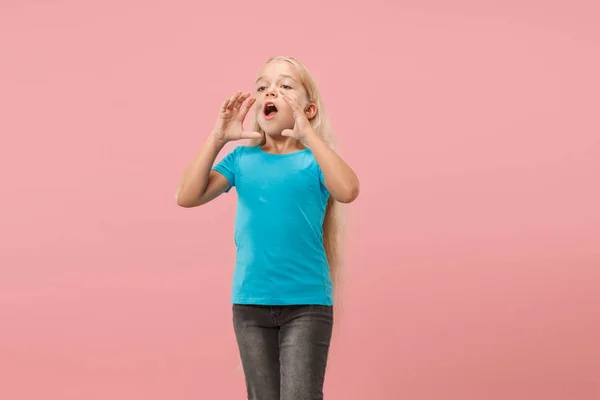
[283, 349]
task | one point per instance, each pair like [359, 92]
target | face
[273, 113]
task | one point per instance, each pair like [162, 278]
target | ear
[310, 110]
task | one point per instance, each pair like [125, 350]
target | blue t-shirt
[278, 227]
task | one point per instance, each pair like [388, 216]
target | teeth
[270, 108]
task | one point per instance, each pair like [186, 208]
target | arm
[199, 183]
[340, 179]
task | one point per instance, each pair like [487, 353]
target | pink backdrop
[474, 248]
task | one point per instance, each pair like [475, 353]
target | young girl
[288, 181]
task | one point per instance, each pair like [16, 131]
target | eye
[286, 86]
[260, 89]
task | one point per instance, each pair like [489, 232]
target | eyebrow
[282, 75]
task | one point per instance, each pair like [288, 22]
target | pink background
[473, 249]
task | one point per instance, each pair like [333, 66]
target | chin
[268, 130]
[274, 134]
[272, 130]
[275, 126]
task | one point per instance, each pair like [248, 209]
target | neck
[281, 144]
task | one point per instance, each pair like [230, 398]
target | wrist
[217, 139]
[311, 136]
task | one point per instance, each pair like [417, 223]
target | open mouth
[270, 110]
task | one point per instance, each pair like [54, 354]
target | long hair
[332, 223]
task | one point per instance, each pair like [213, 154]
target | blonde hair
[332, 223]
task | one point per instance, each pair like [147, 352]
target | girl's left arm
[340, 179]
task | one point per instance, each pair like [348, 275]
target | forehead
[275, 69]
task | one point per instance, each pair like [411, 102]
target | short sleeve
[324, 190]
[228, 167]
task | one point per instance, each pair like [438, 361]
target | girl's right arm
[200, 184]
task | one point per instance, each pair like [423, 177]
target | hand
[231, 118]
[302, 126]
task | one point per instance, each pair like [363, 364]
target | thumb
[251, 135]
[287, 132]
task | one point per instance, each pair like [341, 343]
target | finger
[233, 99]
[284, 95]
[251, 135]
[224, 105]
[290, 100]
[246, 108]
[287, 132]
[287, 93]
[241, 100]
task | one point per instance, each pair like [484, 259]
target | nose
[271, 92]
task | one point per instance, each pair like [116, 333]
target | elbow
[180, 201]
[184, 202]
[349, 195]
[188, 204]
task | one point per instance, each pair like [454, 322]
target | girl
[288, 182]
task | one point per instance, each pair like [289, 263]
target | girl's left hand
[302, 126]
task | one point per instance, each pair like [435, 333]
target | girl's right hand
[231, 118]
